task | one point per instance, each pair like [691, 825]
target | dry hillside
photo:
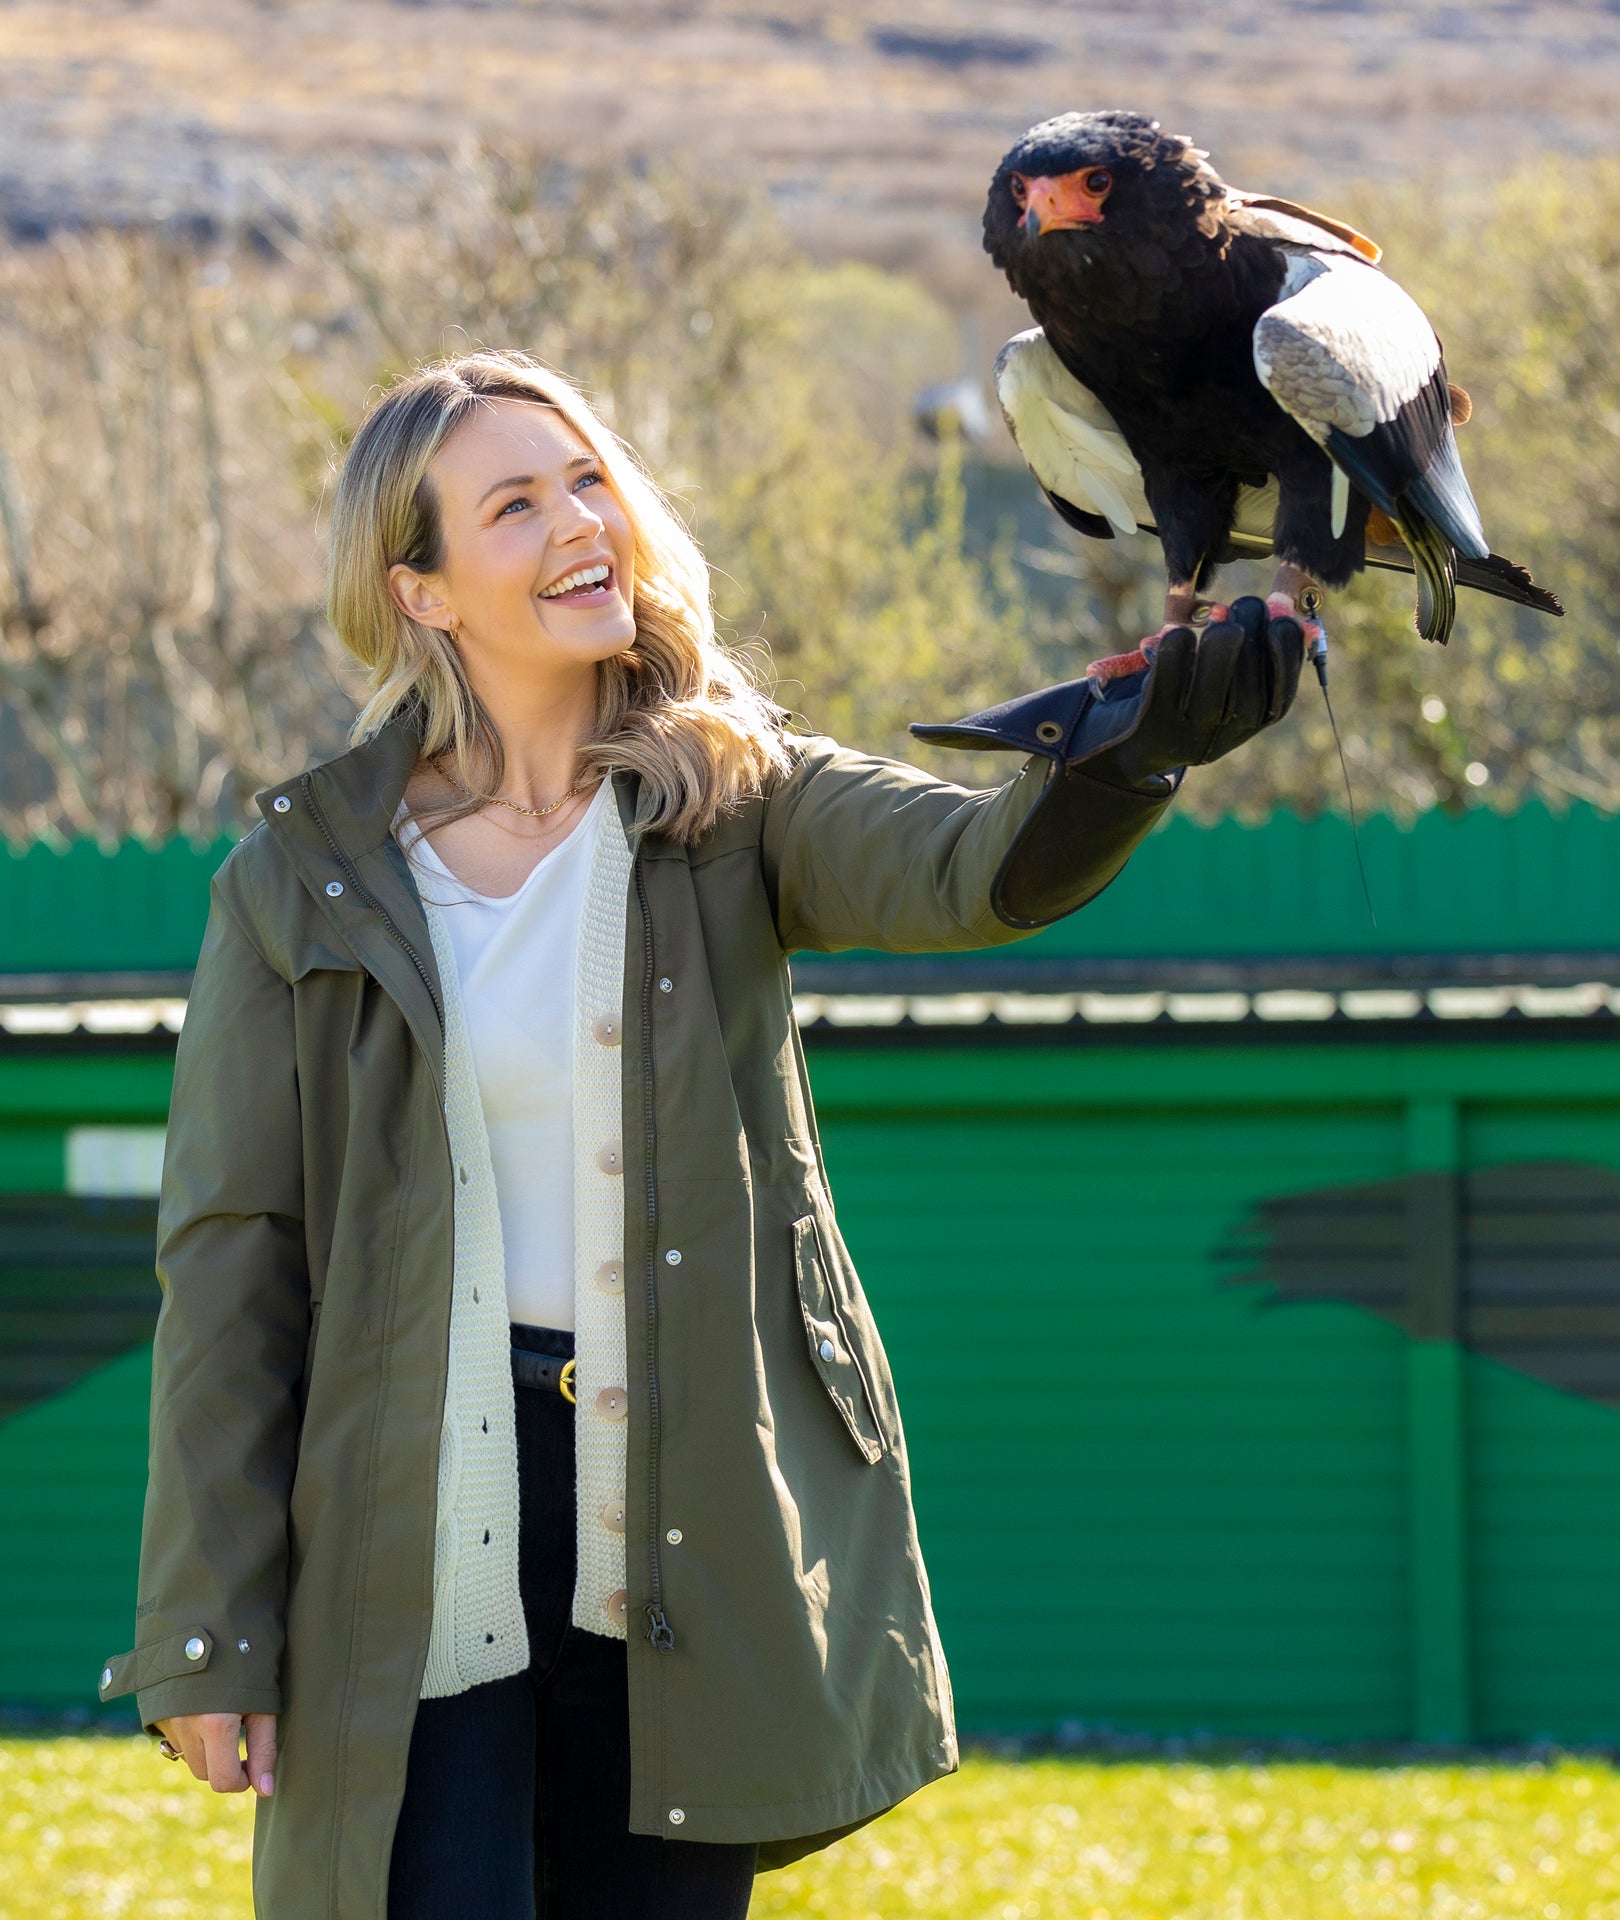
[874, 126]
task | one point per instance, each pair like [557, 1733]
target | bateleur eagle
[1229, 371]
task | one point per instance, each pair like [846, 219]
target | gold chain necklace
[535, 813]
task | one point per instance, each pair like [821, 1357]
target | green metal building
[1251, 1274]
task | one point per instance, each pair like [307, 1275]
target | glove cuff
[1072, 844]
[1081, 831]
[1069, 722]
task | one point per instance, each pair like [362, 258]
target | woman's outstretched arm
[866, 852]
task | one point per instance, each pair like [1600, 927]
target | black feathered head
[1091, 182]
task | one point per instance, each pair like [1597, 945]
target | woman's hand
[210, 1744]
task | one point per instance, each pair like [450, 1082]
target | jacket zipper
[659, 1631]
[306, 785]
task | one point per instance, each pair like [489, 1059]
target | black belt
[543, 1370]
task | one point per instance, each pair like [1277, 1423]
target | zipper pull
[659, 1631]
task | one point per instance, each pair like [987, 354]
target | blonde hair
[678, 709]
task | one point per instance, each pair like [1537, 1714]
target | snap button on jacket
[786, 1679]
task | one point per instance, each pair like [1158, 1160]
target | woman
[525, 1461]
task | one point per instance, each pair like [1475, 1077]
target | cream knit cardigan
[478, 1632]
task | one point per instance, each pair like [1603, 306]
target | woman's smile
[592, 585]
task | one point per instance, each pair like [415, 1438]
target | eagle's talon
[1118, 666]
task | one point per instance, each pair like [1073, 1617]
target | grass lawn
[100, 1826]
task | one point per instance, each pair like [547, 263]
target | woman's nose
[578, 518]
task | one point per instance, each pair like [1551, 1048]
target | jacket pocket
[832, 1353]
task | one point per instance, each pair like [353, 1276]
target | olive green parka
[785, 1675]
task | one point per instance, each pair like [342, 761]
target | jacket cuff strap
[186, 1652]
[181, 1674]
[1073, 842]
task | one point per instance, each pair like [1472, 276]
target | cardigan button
[610, 1276]
[196, 1647]
[666, 985]
[281, 803]
[613, 1516]
[827, 1350]
[607, 1029]
[612, 1403]
[333, 889]
[616, 1604]
[610, 1160]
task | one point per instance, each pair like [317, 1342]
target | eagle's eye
[1018, 187]
[1098, 181]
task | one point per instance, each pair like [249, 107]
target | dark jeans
[517, 1793]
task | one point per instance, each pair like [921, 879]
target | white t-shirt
[516, 959]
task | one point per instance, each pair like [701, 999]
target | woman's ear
[417, 599]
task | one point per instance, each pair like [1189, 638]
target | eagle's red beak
[1053, 202]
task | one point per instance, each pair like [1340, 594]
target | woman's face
[539, 557]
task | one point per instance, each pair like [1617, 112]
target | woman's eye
[591, 478]
[520, 501]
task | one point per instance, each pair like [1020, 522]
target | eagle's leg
[1295, 595]
[1320, 532]
[1184, 606]
[1193, 513]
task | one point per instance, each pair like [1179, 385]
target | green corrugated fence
[1528, 882]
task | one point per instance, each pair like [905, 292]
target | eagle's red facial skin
[1053, 202]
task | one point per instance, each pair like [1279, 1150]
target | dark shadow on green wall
[1520, 1263]
[76, 1290]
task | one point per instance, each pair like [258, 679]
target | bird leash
[1317, 654]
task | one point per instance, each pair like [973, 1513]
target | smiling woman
[524, 1453]
[473, 496]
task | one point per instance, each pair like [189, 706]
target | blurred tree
[153, 664]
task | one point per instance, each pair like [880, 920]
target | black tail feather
[1508, 582]
[1434, 560]
[1493, 575]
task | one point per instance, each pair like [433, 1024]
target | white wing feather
[1067, 435]
[1343, 346]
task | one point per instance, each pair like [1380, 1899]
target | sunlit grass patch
[94, 1827]
[103, 1827]
[1087, 1840]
